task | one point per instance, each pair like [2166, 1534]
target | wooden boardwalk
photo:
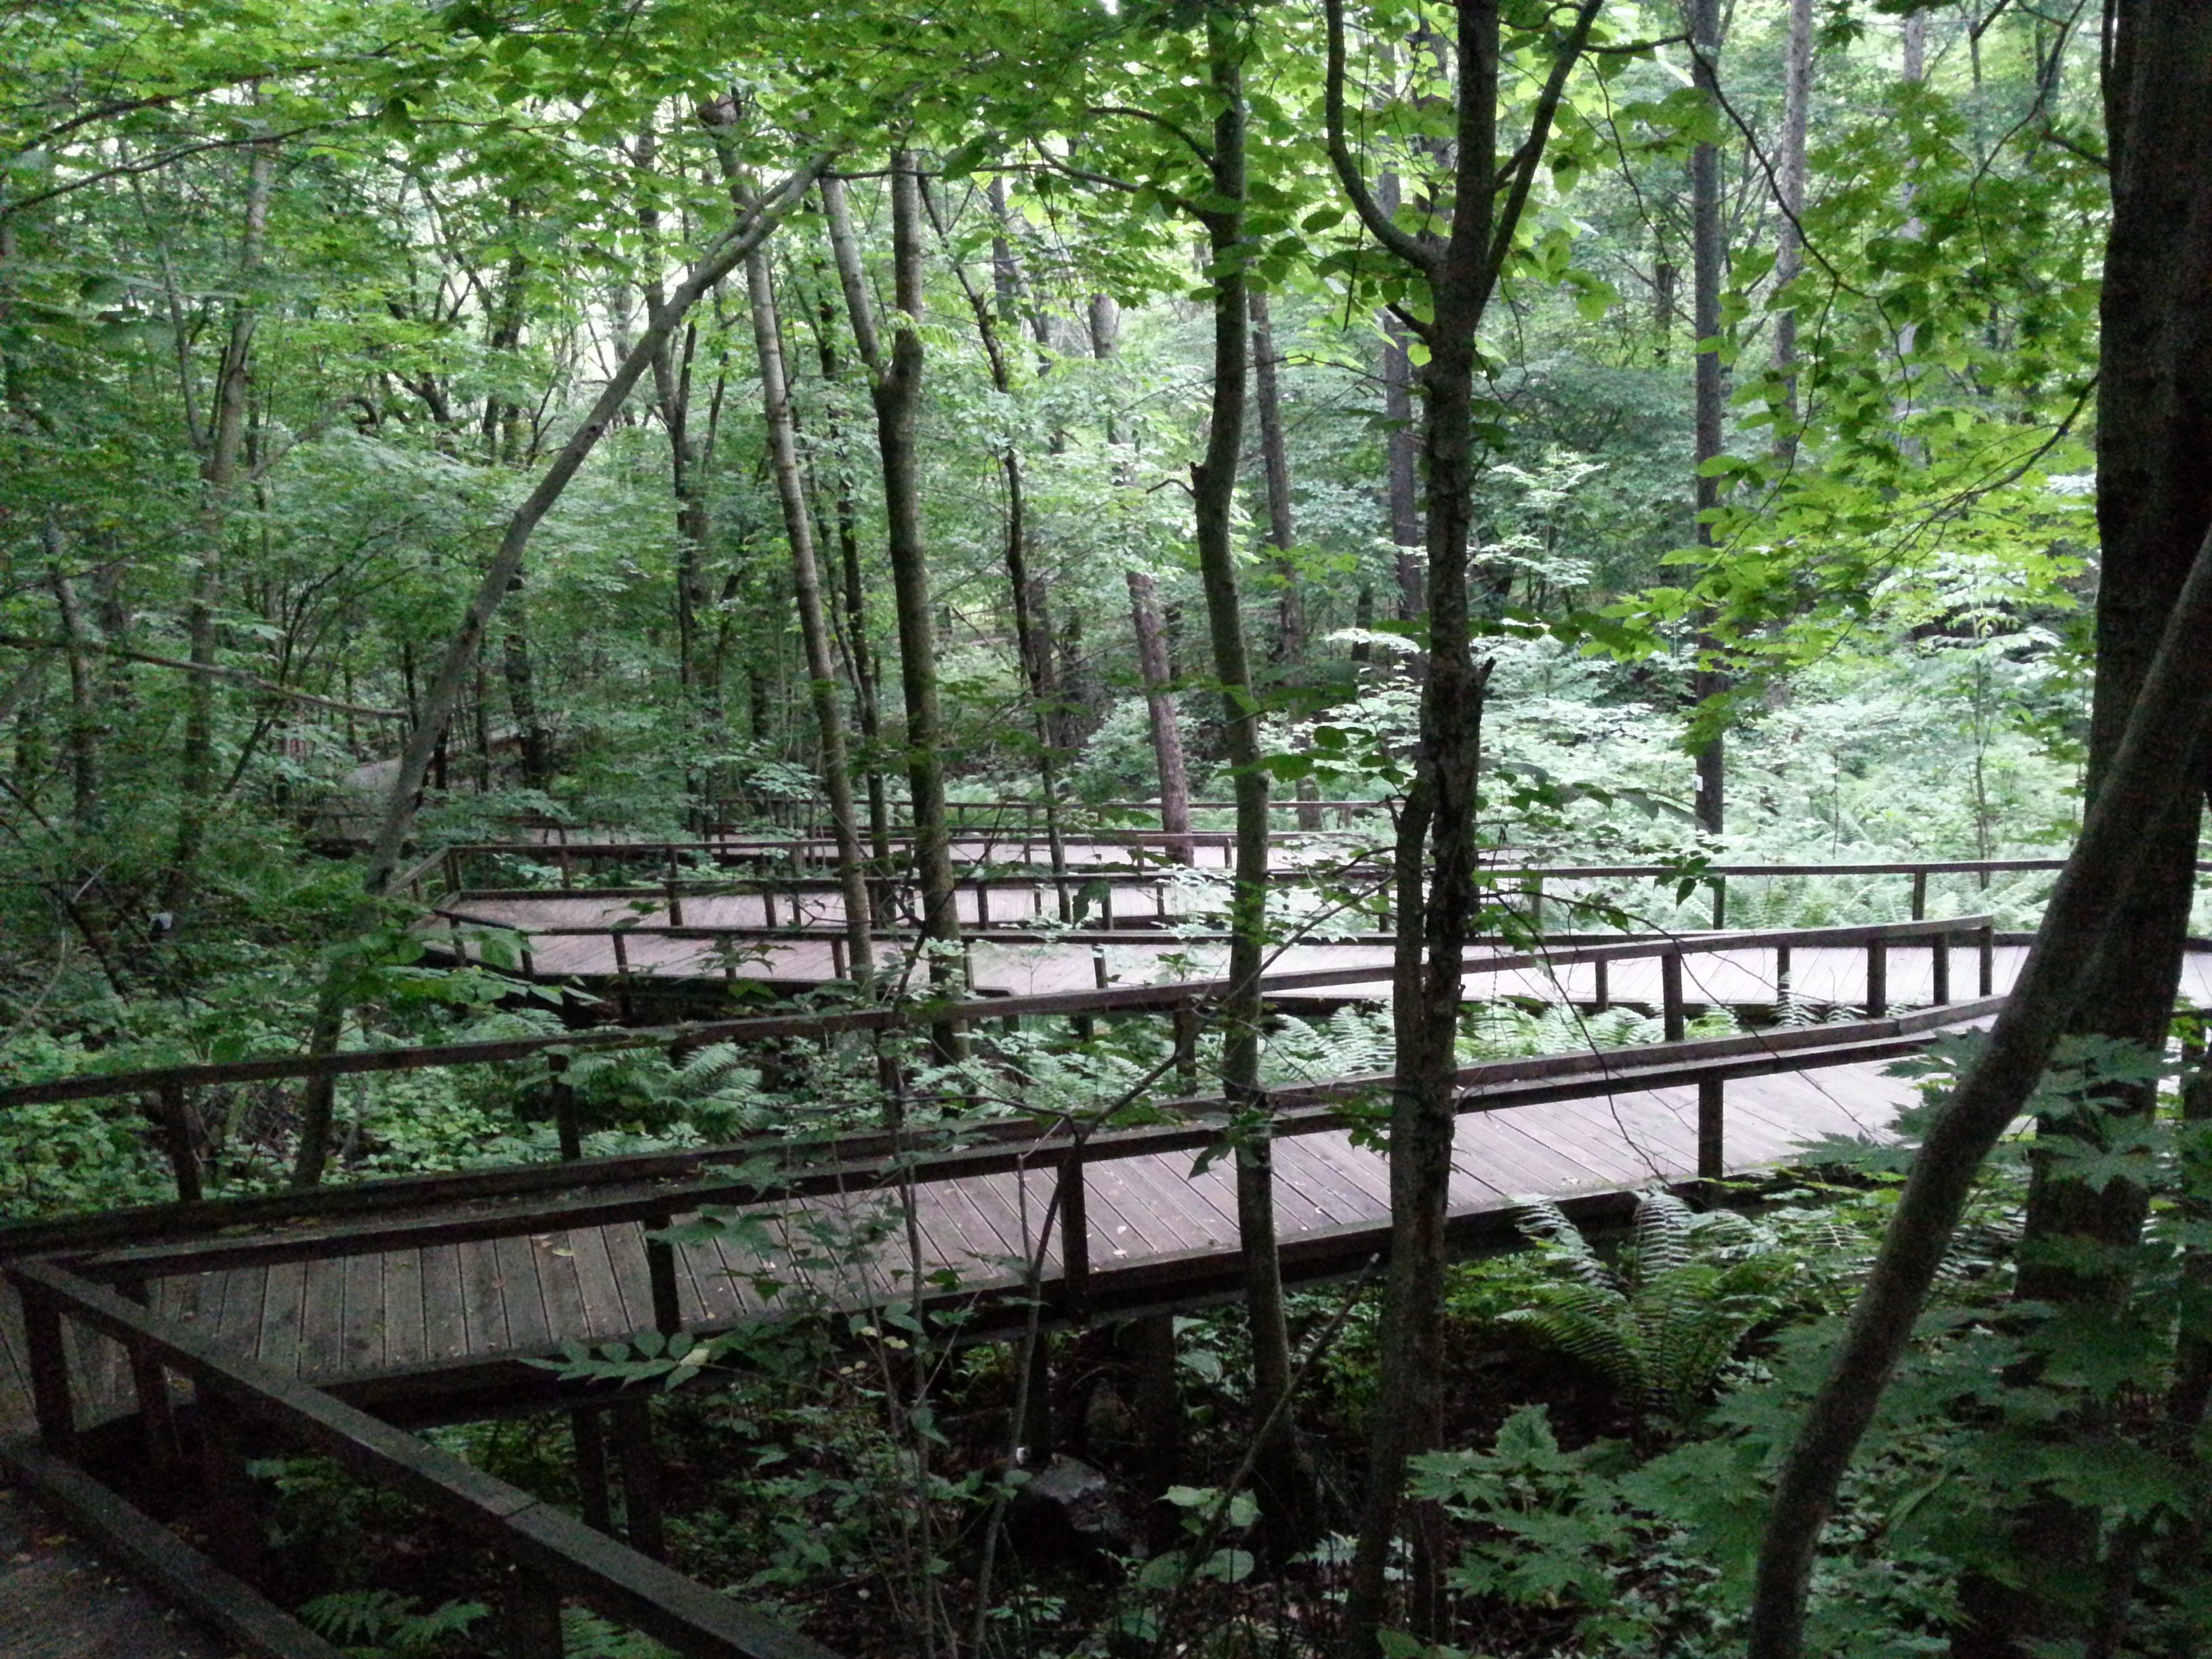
[60, 1600]
[412, 1313]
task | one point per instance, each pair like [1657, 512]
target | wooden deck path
[61, 1599]
[392, 1318]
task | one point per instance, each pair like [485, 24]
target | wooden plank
[445, 1305]
[276, 1345]
[322, 1321]
[561, 1286]
[404, 1342]
[606, 1313]
[367, 1309]
[529, 1328]
[245, 1289]
[483, 1300]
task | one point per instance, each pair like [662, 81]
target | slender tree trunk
[1436, 852]
[1160, 705]
[226, 443]
[1286, 1494]
[1275, 464]
[537, 743]
[84, 732]
[896, 389]
[813, 619]
[1404, 445]
[1789, 182]
[1706, 275]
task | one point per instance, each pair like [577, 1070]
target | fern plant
[1662, 1320]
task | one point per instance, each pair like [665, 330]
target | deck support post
[1074, 1239]
[1712, 1163]
[1782, 976]
[1602, 997]
[660, 1271]
[640, 1477]
[1986, 942]
[1150, 1342]
[1720, 902]
[1670, 996]
[1939, 958]
[533, 1615]
[1037, 1435]
[838, 968]
[1185, 1019]
[1920, 896]
[234, 1520]
[592, 1504]
[621, 977]
[50, 1378]
[565, 1123]
[1877, 986]
[149, 1381]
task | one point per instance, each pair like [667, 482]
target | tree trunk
[894, 387]
[1160, 705]
[1275, 464]
[84, 732]
[813, 620]
[226, 442]
[1706, 274]
[1790, 187]
[1286, 1498]
[2153, 508]
[537, 743]
[1404, 443]
[1437, 825]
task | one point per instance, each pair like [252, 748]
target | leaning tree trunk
[1437, 827]
[813, 618]
[1285, 1487]
[751, 228]
[1707, 683]
[1160, 706]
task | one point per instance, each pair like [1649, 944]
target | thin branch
[1540, 132]
[1414, 251]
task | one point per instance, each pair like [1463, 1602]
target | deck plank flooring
[526, 1294]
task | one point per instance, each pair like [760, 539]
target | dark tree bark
[1459, 270]
[813, 616]
[1404, 444]
[1706, 274]
[1160, 707]
[84, 723]
[2108, 958]
[1285, 1486]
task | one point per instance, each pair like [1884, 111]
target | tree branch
[1408, 247]
[22, 642]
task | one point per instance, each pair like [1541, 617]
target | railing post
[622, 976]
[1920, 896]
[234, 1520]
[839, 967]
[1670, 995]
[1720, 902]
[1603, 998]
[640, 1477]
[533, 1615]
[1713, 1162]
[1782, 975]
[768, 903]
[592, 1502]
[1532, 885]
[50, 1378]
[1186, 1047]
[177, 1135]
[660, 1271]
[1074, 1238]
[675, 899]
[1877, 997]
[982, 902]
[1985, 941]
[1939, 959]
[157, 1417]
[1098, 965]
[565, 1121]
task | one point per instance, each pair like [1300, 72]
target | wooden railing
[170, 1086]
[247, 1410]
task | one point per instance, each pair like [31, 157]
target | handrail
[773, 1027]
[1300, 1109]
[558, 1555]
